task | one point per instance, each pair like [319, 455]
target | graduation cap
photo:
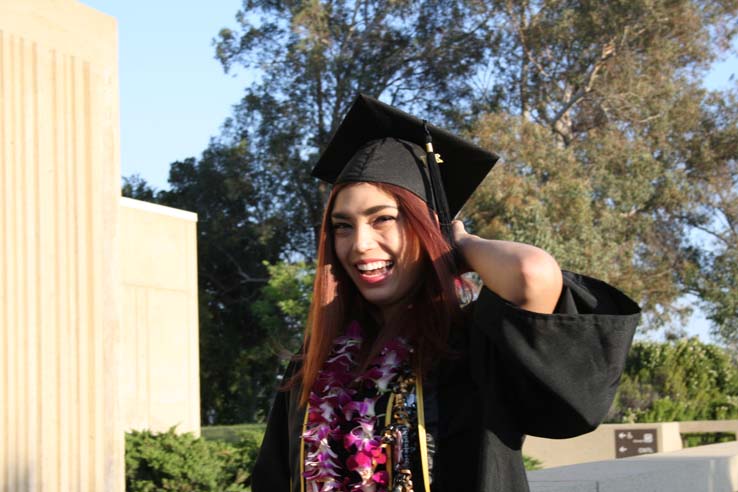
[377, 143]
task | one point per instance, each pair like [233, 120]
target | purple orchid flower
[332, 403]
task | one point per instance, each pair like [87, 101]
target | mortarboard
[381, 144]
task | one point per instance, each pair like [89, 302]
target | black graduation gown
[548, 375]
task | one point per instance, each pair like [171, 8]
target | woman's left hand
[522, 274]
[459, 235]
[458, 231]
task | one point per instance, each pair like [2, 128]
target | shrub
[677, 380]
[531, 463]
[169, 461]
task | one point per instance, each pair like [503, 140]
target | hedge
[169, 461]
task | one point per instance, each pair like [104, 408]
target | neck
[387, 314]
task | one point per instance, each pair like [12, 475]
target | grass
[232, 433]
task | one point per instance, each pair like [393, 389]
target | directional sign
[634, 442]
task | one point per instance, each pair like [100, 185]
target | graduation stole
[336, 403]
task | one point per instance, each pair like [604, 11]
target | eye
[385, 220]
[340, 226]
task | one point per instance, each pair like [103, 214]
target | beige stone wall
[160, 387]
[597, 445]
[60, 420]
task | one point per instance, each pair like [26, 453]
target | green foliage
[616, 160]
[531, 463]
[312, 58]
[284, 303]
[691, 440]
[234, 433]
[712, 270]
[183, 463]
[135, 186]
[238, 229]
[677, 380]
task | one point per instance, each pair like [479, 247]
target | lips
[373, 271]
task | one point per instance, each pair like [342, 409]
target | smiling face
[374, 245]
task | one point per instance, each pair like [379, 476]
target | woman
[398, 387]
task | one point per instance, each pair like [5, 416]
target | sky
[174, 95]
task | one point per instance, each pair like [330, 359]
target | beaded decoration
[400, 434]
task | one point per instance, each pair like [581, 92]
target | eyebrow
[368, 211]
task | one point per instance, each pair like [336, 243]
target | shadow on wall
[18, 478]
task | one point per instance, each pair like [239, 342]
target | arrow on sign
[622, 449]
[621, 435]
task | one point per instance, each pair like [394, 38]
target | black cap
[377, 143]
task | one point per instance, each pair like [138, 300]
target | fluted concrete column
[60, 418]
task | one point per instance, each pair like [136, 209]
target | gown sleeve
[271, 471]
[557, 373]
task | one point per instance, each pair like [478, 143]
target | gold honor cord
[422, 438]
[302, 451]
[388, 448]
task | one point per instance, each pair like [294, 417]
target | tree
[596, 108]
[136, 187]
[712, 270]
[313, 57]
[251, 189]
[677, 380]
[237, 231]
[282, 308]
[603, 126]
[617, 161]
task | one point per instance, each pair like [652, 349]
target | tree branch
[241, 273]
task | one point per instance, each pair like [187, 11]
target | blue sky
[174, 95]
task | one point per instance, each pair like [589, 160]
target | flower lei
[333, 406]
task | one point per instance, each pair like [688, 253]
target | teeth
[375, 265]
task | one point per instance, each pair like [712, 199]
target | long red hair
[432, 309]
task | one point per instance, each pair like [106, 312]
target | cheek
[341, 248]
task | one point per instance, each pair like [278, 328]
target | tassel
[439, 195]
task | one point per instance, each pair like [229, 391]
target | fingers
[458, 229]
[459, 234]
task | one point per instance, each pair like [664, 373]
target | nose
[364, 238]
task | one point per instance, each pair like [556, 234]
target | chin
[383, 301]
[377, 300]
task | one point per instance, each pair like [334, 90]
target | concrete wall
[727, 426]
[60, 416]
[596, 445]
[712, 468]
[160, 387]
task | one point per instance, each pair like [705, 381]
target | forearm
[520, 273]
